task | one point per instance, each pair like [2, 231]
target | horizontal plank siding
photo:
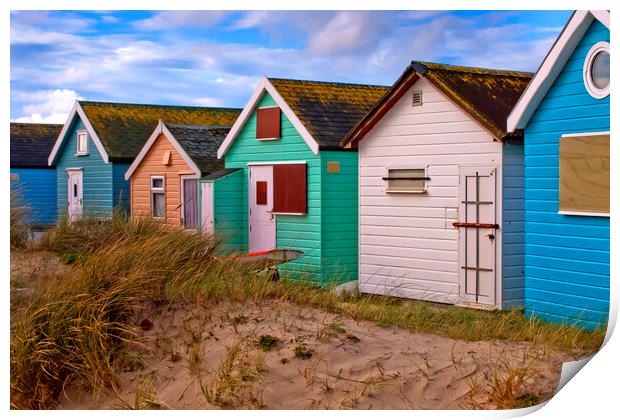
[407, 244]
[229, 212]
[97, 176]
[566, 257]
[513, 227]
[339, 216]
[121, 192]
[292, 232]
[152, 165]
[37, 192]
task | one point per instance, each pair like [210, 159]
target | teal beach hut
[287, 183]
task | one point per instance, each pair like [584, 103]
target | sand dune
[209, 356]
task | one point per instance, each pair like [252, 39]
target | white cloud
[181, 18]
[47, 106]
[350, 32]
[168, 67]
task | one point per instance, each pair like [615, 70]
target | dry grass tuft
[74, 328]
[229, 385]
[20, 228]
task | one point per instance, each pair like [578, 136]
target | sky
[216, 58]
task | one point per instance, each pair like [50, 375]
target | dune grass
[74, 327]
[20, 228]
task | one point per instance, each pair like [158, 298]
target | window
[82, 143]
[261, 193]
[406, 180]
[268, 123]
[596, 70]
[584, 174]
[158, 204]
[290, 189]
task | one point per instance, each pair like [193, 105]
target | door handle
[491, 236]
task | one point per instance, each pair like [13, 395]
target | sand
[178, 364]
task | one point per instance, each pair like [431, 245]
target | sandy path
[353, 364]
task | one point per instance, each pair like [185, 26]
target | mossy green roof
[328, 110]
[124, 128]
[488, 95]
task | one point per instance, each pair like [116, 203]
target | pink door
[262, 225]
[190, 203]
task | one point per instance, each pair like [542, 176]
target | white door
[477, 235]
[262, 225]
[206, 206]
[75, 195]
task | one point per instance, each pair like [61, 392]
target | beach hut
[31, 177]
[98, 143]
[287, 183]
[441, 188]
[565, 116]
[164, 176]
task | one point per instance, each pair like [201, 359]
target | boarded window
[411, 180]
[290, 188]
[268, 123]
[584, 174]
[261, 193]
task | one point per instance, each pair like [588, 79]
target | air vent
[416, 98]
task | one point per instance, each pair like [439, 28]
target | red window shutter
[268, 123]
[290, 188]
[261, 193]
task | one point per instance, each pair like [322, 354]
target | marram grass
[74, 327]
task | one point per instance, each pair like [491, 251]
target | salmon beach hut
[164, 176]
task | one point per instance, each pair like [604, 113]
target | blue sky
[215, 58]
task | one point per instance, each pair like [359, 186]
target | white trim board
[599, 133]
[265, 86]
[77, 109]
[278, 162]
[161, 129]
[553, 64]
[582, 213]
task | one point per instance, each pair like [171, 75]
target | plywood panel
[584, 174]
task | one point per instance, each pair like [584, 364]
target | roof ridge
[202, 127]
[158, 105]
[328, 82]
[473, 70]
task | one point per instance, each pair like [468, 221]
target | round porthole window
[596, 70]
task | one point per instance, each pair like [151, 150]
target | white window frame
[594, 91]
[157, 190]
[77, 146]
[391, 191]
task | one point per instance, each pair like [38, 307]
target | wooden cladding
[268, 123]
[261, 193]
[290, 188]
[584, 174]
